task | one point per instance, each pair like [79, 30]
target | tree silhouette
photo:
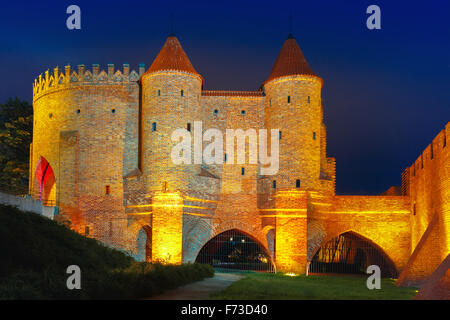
[16, 128]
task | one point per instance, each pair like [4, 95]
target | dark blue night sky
[386, 92]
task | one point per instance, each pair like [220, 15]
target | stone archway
[235, 249]
[138, 239]
[46, 183]
[351, 253]
[144, 244]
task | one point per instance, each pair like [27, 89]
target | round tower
[171, 90]
[293, 105]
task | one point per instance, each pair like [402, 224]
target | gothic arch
[251, 230]
[386, 259]
[45, 182]
[132, 234]
[220, 247]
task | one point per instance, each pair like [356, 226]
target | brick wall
[427, 182]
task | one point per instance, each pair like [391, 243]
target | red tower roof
[290, 61]
[172, 57]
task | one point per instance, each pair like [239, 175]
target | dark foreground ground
[36, 252]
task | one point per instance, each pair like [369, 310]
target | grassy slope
[278, 286]
[35, 253]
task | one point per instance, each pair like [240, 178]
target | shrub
[36, 253]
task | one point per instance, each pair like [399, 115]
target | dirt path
[201, 289]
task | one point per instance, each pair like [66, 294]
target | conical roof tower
[172, 57]
[290, 61]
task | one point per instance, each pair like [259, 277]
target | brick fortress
[101, 157]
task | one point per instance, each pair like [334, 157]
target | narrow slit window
[154, 126]
[279, 135]
[189, 127]
[314, 135]
[274, 184]
[242, 171]
[309, 99]
[432, 155]
[297, 183]
[289, 99]
[182, 93]
[159, 92]
[107, 189]
[225, 157]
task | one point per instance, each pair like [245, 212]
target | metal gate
[235, 250]
[349, 253]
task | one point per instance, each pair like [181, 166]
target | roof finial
[171, 26]
[290, 36]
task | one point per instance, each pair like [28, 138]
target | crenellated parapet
[69, 77]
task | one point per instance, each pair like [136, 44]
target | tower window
[78, 111]
[309, 99]
[216, 111]
[414, 209]
[50, 115]
[314, 135]
[159, 92]
[243, 112]
[289, 99]
[182, 93]
[432, 155]
[225, 157]
[113, 110]
[274, 184]
[154, 126]
[242, 171]
[279, 135]
[108, 189]
[189, 127]
[270, 102]
[297, 183]
[445, 138]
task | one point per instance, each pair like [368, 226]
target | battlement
[435, 150]
[68, 77]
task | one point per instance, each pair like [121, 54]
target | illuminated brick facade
[106, 137]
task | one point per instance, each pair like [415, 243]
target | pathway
[201, 289]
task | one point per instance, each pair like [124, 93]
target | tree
[16, 129]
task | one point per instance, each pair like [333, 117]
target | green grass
[256, 286]
[35, 253]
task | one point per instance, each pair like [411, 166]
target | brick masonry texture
[107, 138]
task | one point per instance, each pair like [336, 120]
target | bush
[36, 253]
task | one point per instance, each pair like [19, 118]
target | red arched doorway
[234, 249]
[351, 253]
[45, 178]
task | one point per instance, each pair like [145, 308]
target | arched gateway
[234, 249]
[351, 253]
